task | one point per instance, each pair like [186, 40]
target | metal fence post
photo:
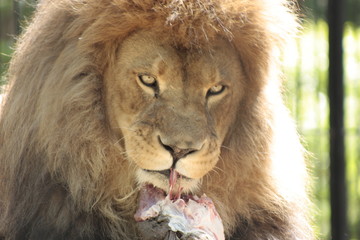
[338, 192]
[16, 16]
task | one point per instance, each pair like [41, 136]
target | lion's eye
[148, 80]
[215, 90]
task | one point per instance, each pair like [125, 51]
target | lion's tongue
[173, 177]
[174, 194]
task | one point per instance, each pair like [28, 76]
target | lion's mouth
[175, 190]
[151, 195]
[167, 173]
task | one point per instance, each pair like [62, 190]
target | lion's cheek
[146, 156]
[224, 115]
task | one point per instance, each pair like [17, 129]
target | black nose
[176, 152]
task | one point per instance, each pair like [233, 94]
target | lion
[105, 96]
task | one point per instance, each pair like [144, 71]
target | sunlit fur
[64, 175]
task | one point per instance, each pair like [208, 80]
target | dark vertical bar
[338, 193]
[16, 14]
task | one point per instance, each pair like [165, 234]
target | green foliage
[13, 15]
[306, 64]
[5, 56]
[316, 10]
[352, 121]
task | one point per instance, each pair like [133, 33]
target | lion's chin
[158, 180]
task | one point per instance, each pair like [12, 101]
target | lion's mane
[62, 176]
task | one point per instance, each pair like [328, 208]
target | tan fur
[77, 126]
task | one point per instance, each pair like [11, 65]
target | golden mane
[62, 175]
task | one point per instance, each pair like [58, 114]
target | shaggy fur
[62, 176]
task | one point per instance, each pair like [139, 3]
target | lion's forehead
[149, 53]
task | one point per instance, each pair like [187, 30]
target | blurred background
[336, 180]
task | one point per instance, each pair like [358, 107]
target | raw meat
[189, 217]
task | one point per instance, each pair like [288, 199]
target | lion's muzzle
[178, 152]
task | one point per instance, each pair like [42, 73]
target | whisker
[127, 128]
[119, 140]
[217, 170]
[227, 148]
[127, 196]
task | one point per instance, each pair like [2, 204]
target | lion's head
[106, 95]
[172, 108]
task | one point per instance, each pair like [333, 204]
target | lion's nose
[178, 152]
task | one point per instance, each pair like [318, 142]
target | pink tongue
[173, 194]
[173, 177]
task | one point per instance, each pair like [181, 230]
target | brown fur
[62, 174]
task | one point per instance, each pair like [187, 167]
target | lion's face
[172, 108]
